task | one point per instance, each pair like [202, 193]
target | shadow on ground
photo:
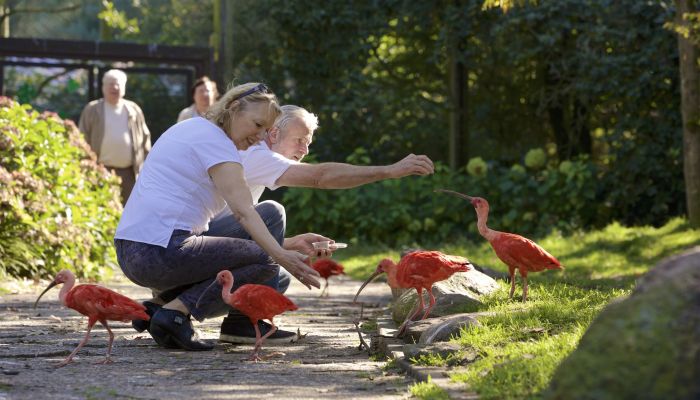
[326, 363]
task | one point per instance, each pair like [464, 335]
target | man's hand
[412, 165]
[295, 263]
[303, 244]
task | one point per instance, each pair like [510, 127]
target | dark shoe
[140, 324]
[239, 329]
[171, 327]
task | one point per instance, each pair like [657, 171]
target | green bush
[407, 211]
[58, 207]
[535, 159]
[477, 167]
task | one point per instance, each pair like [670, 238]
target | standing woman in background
[204, 94]
[190, 175]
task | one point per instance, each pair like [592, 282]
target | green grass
[428, 390]
[390, 365]
[521, 345]
[369, 326]
[360, 262]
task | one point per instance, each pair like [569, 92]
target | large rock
[447, 329]
[438, 329]
[646, 346]
[460, 293]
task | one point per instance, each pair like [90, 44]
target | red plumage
[326, 267]
[102, 303]
[419, 270]
[260, 302]
[517, 252]
[521, 253]
[98, 304]
[256, 302]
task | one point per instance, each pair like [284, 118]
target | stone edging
[384, 342]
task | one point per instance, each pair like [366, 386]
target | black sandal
[171, 327]
[141, 325]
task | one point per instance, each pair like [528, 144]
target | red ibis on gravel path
[98, 304]
[327, 268]
[256, 302]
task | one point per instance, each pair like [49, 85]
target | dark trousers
[128, 181]
[190, 263]
[274, 217]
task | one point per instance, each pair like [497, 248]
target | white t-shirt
[262, 167]
[116, 150]
[174, 190]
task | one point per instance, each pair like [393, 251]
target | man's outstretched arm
[343, 176]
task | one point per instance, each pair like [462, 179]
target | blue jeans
[190, 262]
[274, 217]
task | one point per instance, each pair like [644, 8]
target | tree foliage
[592, 81]
[173, 22]
[406, 211]
[593, 78]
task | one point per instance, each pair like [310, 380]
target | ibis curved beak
[205, 292]
[52, 284]
[370, 279]
[464, 196]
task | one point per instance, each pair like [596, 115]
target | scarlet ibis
[255, 301]
[98, 304]
[420, 270]
[517, 252]
[327, 268]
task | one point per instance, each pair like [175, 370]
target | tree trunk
[581, 129]
[222, 41]
[556, 113]
[568, 118]
[690, 107]
[459, 136]
[561, 136]
[5, 12]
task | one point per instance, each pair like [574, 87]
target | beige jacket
[92, 125]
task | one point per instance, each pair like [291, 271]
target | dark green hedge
[408, 211]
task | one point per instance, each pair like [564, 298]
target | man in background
[116, 130]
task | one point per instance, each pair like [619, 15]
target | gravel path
[326, 363]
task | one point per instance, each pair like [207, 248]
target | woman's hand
[229, 180]
[295, 263]
[304, 244]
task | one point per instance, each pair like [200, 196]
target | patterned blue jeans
[190, 262]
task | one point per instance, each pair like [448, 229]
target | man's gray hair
[290, 113]
[117, 74]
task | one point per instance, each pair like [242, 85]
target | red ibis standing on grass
[327, 268]
[98, 304]
[419, 270]
[256, 302]
[517, 252]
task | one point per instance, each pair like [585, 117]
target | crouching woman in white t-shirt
[192, 172]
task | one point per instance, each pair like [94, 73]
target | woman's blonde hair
[237, 99]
